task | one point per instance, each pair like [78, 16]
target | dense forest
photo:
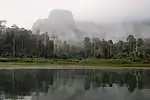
[21, 42]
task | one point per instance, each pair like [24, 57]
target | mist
[23, 13]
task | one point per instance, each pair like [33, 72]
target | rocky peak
[61, 18]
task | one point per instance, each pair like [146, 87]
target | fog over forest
[85, 44]
[110, 29]
[62, 23]
[109, 19]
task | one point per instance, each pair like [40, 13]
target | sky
[25, 12]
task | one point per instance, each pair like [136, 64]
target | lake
[74, 84]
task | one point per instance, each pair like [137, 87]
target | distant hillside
[61, 23]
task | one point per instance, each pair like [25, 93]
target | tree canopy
[21, 42]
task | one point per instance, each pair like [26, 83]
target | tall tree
[105, 49]
[2, 25]
[87, 46]
[140, 43]
[110, 47]
[96, 47]
[132, 42]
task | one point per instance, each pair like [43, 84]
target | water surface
[74, 84]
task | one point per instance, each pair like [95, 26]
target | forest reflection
[21, 83]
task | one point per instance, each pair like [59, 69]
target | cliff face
[61, 18]
[61, 23]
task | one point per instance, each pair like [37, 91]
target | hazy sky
[25, 12]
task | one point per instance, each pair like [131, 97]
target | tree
[96, 47]
[110, 47]
[140, 43]
[118, 49]
[139, 50]
[87, 46]
[147, 46]
[21, 42]
[105, 49]
[132, 42]
[2, 25]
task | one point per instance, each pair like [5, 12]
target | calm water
[74, 84]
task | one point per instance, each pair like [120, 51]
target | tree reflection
[24, 82]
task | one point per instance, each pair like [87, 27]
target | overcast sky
[24, 12]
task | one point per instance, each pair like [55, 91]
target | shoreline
[76, 67]
[27, 63]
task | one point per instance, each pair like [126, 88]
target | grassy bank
[40, 62]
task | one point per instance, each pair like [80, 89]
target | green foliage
[22, 43]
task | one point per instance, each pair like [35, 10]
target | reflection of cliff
[107, 93]
[76, 84]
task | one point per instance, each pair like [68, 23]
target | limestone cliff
[61, 23]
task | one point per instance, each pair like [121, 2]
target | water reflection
[76, 84]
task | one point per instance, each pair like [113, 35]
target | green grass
[93, 63]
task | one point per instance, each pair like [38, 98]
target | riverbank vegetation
[66, 63]
[23, 45]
